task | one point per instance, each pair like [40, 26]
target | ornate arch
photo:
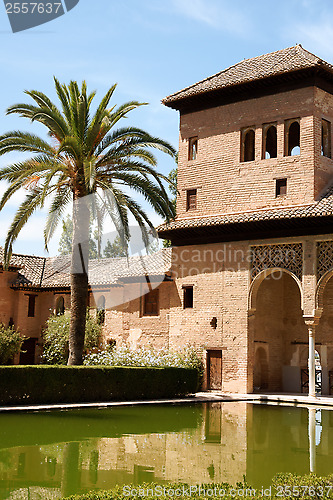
[252, 303]
[321, 287]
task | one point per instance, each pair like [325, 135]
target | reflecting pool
[53, 454]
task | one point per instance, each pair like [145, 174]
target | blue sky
[151, 48]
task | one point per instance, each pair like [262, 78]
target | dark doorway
[28, 356]
[214, 369]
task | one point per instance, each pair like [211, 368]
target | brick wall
[323, 165]
[226, 185]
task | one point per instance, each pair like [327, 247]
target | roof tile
[320, 208]
[54, 272]
[275, 63]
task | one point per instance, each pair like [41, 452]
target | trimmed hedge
[41, 384]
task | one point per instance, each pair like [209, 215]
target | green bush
[41, 384]
[10, 343]
[56, 335]
[148, 357]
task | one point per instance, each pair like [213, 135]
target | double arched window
[270, 140]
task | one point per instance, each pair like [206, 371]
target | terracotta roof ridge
[29, 256]
[262, 67]
[318, 60]
[206, 79]
[298, 47]
[25, 255]
[160, 250]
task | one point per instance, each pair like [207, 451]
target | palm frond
[123, 110]
[23, 142]
[60, 201]
[24, 212]
[63, 98]
[89, 155]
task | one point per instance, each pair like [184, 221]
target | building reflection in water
[216, 442]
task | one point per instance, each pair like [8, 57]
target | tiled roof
[30, 267]
[321, 208]
[107, 271]
[257, 68]
[54, 272]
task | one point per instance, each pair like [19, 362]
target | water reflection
[56, 454]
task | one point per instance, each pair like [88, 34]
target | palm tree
[85, 155]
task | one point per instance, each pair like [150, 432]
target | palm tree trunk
[79, 280]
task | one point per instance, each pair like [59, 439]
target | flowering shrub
[123, 356]
[10, 343]
[56, 337]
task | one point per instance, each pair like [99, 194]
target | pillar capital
[312, 319]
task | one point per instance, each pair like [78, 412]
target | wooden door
[214, 369]
[213, 423]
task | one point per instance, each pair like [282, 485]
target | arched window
[248, 145]
[269, 142]
[60, 306]
[101, 310]
[292, 138]
[326, 138]
[193, 148]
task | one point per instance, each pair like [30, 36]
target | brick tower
[254, 189]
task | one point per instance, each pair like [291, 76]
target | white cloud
[217, 14]
[315, 36]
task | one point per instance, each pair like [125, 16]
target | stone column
[312, 439]
[311, 322]
[250, 350]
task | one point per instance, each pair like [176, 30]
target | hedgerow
[308, 487]
[42, 384]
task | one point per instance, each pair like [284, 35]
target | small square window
[188, 297]
[193, 148]
[191, 199]
[280, 187]
[150, 303]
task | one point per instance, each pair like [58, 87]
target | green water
[53, 454]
